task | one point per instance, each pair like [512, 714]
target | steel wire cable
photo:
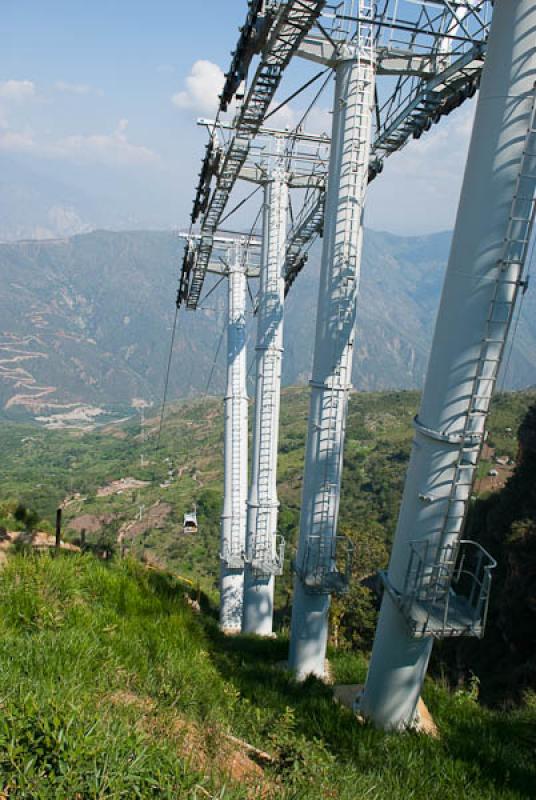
[295, 94]
[210, 291]
[166, 381]
[214, 362]
[239, 205]
[293, 134]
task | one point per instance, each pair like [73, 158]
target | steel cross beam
[223, 245]
[289, 24]
[304, 156]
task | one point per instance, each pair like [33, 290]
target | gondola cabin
[190, 523]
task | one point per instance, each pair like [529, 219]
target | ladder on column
[235, 556]
[502, 306]
[439, 569]
[267, 554]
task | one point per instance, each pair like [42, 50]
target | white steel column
[483, 278]
[233, 524]
[316, 569]
[262, 561]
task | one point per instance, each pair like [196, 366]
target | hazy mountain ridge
[87, 320]
[37, 204]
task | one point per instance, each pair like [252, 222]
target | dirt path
[37, 540]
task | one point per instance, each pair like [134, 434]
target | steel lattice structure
[278, 33]
[429, 60]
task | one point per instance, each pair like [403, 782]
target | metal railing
[326, 565]
[446, 592]
[267, 564]
[232, 559]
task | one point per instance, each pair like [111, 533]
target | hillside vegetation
[88, 473]
[111, 687]
[86, 323]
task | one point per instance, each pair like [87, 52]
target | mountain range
[86, 323]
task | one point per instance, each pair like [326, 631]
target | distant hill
[86, 322]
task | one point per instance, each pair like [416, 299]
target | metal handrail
[430, 588]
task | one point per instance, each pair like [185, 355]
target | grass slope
[41, 467]
[110, 687]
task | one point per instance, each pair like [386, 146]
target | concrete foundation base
[326, 678]
[230, 631]
[348, 695]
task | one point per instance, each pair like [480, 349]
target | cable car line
[210, 291]
[297, 92]
[240, 204]
[166, 382]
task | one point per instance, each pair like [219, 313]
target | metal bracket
[449, 438]
[319, 571]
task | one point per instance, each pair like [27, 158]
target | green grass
[79, 634]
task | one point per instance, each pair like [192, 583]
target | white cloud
[202, 87]
[16, 141]
[76, 88]
[112, 149]
[13, 93]
[109, 149]
[16, 91]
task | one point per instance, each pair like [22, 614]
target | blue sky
[103, 96]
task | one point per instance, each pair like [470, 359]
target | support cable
[251, 230]
[239, 205]
[251, 298]
[330, 39]
[220, 340]
[166, 382]
[297, 92]
[295, 130]
[210, 291]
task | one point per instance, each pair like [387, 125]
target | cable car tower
[431, 60]
[273, 30]
[278, 161]
[295, 160]
[236, 258]
[400, 66]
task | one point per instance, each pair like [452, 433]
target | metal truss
[429, 60]
[304, 159]
[280, 29]
[304, 156]
[222, 245]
